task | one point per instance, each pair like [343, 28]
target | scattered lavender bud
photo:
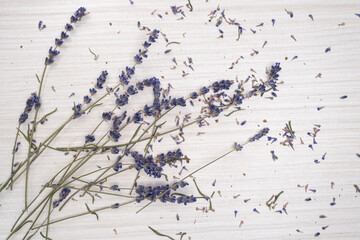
[255, 210]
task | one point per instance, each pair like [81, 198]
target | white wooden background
[251, 173]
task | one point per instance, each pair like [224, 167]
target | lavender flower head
[32, 101]
[63, 35]
[163, 192]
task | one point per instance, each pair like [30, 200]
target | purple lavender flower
[41, 26]
[107, 116]
[89, 138]
[63, 35]
[261, 134]
[92, 91]
[164, 194]
[114, 135]
[194, 95]
[101, 79]
[59, 41]
[77, 111]
[117, 166]
[62, 195]
[132, 90]
[32, 101]
[147, 164]
[238, 147]
[221, 85]
[87, 99]
[122, 100]
[138, 59]
[115, 187]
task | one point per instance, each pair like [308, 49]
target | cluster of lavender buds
[148, 164]
[163, 192]
[87, 99]
[126, 75]
[101, 80]
[32, 101]
[123, 99]
[59, 41]
[289, 137]
[154, 167]
[238, 146]
[77, 111]
[89, 138]
[62, 195]
[117, 166]
[169, 157]
[117, 121]
[271, 82]
[261, 134]
[177, 9]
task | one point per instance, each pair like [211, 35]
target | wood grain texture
[110, 30]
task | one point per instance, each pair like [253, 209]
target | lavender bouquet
[127, 137]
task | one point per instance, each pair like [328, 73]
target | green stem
[48, 217]
[94, 191]
[31, 137]
[96, 185]
[13, 154]
[95, 182]
[45, 200]
[84, 213]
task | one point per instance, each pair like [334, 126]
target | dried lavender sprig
[30, 102]
[48, 60]
[235, 148]
[151, 193]
[192, 173]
